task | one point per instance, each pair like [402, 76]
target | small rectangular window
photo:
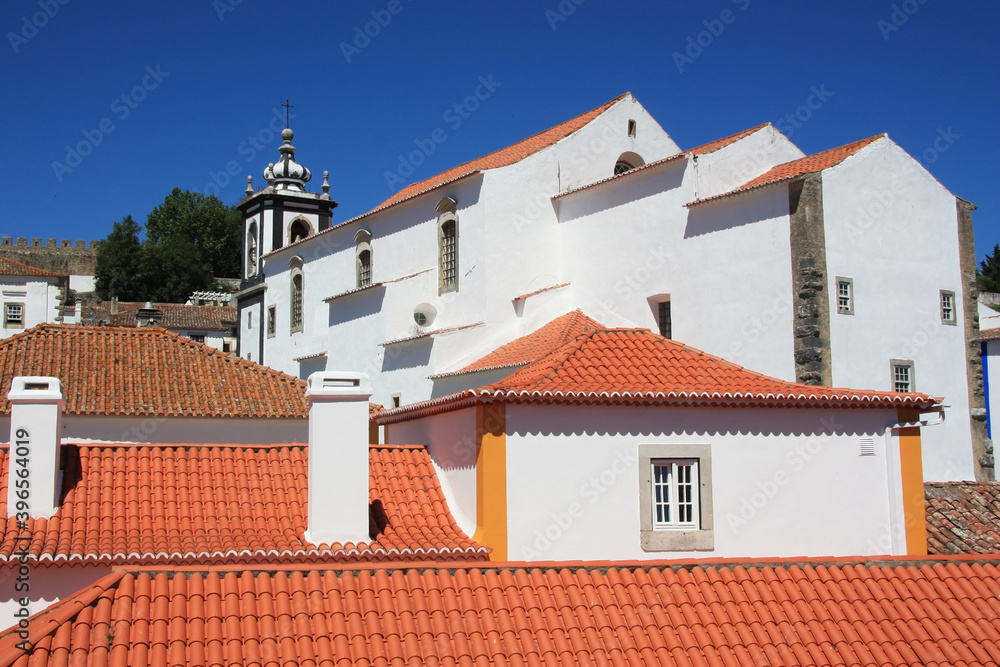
[396, 398]
[948, 307]
[631, 128]
[664, 321]
[249, 321]
[902, 375]
[198, 338]
[272, 327]
[14, 315]
[845, 296]
[675, 493]
[449, 256]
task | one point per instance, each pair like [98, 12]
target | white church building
[852, 267]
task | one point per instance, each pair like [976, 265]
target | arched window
[627, 161]
[447, 245]
[252, 250]
[363, 240]
[297, 287]
[298, 230]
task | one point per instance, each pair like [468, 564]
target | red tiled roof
[505, 156]
[149, 372]
[809, 164]
[228, 503]
[535, 345]
[620, 366]
[713, 146]
[9, 267]
[175, 315]
[963, 517]
[989, 334]
[888, 614]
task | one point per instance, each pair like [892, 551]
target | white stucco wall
[892, 228]
[38, 296]
[176, 430]
[786, 482]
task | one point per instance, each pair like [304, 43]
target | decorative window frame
[272, 321]
[447, 212]
[849, 310]
[950, 295]
[305, 221]
[7, 323]
[901, 363]
[676, 539]
[252, 254]
[296, 296]
[363, 242]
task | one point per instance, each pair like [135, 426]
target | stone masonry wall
[66, 257]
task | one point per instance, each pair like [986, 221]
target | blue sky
[160, 95]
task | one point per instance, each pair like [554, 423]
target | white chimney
[338, 457]
[36, 406]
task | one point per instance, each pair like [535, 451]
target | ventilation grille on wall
[867, 446]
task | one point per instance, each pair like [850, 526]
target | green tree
[988, 275]
[213, 229]
[175, 267]
[119, 270]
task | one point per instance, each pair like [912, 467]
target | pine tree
[120, 263]
[988, 276]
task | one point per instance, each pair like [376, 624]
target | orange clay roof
[636, 366]
[148, 371]
[174, 315]
[809, 164]
[9, 267]
[228, 503]
[813, 613]
[713, 146]
[505, 156]
[963, 517]
[990, 334]
[535, 345]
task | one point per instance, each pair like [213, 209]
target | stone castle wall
[67, 257]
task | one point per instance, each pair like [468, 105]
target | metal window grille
[622, 167]
[666, 326]
[364, 268]
[449, 269]
[901, 378]
[844, 296]
[15, 314]
[271, 326]
[675, 493]
[297, 302]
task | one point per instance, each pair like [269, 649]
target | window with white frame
[13, 315]
[902, 375]
[845, 296]
[447, 245]
[948, 315]
[675, 498]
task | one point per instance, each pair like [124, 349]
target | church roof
[175, 315]
[809, 164]
[528, 348]
[9, 267]
[963, 517]
[636, 366]
[892, 613]
[151, 504]
[148, 372]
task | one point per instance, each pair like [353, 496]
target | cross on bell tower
[288, 109]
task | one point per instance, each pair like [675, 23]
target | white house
[31, 296]
[851, 267]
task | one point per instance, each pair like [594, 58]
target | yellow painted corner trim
[912, 478]
[491, 479]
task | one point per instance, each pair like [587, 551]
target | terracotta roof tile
[533, 346]
[809, 164]
[990, 334]
[148, 371]
[9, 267]
[718, 144]
[228, 503]
[505, 156]
[637, 366]
[175, 315]
[891, 613]
[963, 517]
